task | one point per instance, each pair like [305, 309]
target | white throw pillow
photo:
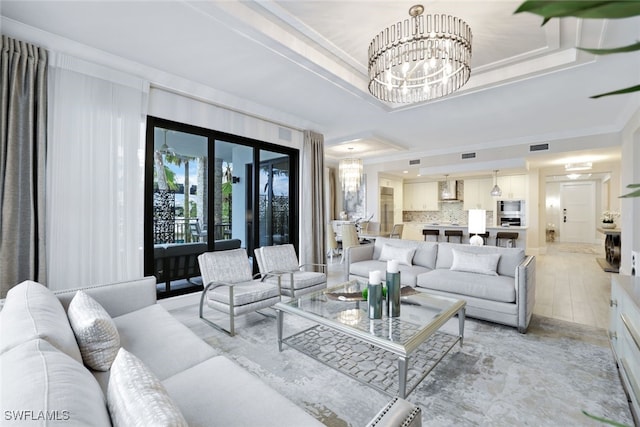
[33, 311]
[402, 255]
[475, 263]
[48, 387]
[136, 397]
[95, 332]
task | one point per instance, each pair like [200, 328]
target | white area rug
[498, 378]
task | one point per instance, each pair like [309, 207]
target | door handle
[565, 218]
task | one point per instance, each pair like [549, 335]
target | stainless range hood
[453, 191]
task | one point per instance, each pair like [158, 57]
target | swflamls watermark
[36, 415]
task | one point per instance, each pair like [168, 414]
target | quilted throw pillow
[136, 397]
[95, 332]
[475, 263]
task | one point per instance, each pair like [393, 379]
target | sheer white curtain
[95, 174]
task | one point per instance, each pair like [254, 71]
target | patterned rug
[499, 377]
[368, 364]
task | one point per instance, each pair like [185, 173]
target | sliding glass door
[274, 200]
[210, 191]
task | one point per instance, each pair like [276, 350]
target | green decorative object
[635, 193]
[365, 292]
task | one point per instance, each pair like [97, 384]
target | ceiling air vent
[414, 162]
[468, 156]
[539, 147]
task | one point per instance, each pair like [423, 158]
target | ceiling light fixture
[496, 191]
[350, 171]
[164, 148]
[569, 167]
[421, 58]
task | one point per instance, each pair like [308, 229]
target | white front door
[577, 200]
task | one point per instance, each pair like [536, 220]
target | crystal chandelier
[421, 58]
[350, 171]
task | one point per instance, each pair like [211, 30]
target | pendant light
[496, 191]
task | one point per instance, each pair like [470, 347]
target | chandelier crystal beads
[350, 171]
[421, 58]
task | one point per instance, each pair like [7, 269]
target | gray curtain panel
[312, 222]
[23, 137]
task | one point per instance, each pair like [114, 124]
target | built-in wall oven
[511, 213]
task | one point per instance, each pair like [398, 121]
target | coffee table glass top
[343, 308]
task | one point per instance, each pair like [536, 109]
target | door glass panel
[179, 203]
[273, 200]
[232, 192]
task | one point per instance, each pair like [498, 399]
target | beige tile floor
[570, 285]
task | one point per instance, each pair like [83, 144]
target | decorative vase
[374, 297]
[608, 225]
[393, 294]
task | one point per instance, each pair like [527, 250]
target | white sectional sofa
[497, 283]
[44, 379]
[43, 375]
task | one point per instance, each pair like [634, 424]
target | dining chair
[349, 238]
[332, 243]
[231, 288]
[279, 264]
[396, 233]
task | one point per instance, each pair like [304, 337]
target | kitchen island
[413, 231]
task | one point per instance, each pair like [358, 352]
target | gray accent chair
[280, 263]
[231, 288]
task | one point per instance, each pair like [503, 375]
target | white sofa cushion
[33, 311]
[401, 254]
[408, 273]
[208, 395]
[475, 263]
[493, 288]
[426, 254]
[162, 342]
[510, 258]
[136, 397]
[95, 331]
[40, 382]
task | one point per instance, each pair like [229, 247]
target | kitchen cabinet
[477, 194]
[514, 187]
[420, 196]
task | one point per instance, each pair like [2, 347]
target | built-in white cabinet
[420, 196]
[477, 194]
[513, 187]
[624, 334]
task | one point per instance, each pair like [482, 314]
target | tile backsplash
[450, 212]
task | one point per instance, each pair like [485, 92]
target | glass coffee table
[343, 336]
